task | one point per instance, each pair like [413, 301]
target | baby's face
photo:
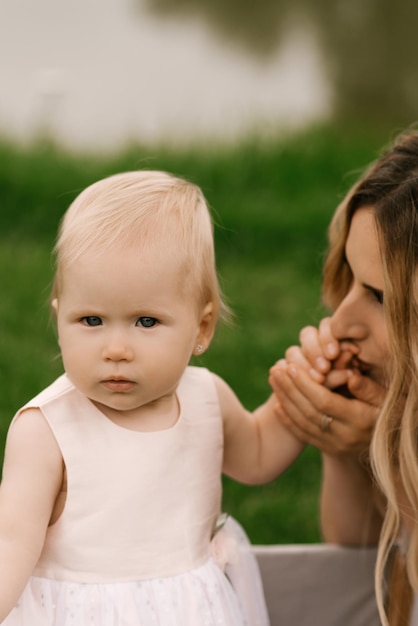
[127, 328]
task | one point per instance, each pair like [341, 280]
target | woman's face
[360, 316]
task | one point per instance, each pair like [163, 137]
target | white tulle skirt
[224, 591]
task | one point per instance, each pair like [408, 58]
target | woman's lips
[360, 365]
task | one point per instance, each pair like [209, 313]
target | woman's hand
[322, 400]
[326, 402]
[322, 417]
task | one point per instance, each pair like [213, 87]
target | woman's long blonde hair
[390, 186]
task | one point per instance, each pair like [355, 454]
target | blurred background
[273, 108]
[99, 73]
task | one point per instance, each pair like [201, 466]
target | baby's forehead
[183, 258]
[134, 266]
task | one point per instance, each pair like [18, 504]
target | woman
[355, 378]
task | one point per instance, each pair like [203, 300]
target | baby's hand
[327, 360]
[341, 368]
[319, 349]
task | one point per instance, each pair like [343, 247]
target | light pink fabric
[132, 546]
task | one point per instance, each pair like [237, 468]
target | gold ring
[326, 422]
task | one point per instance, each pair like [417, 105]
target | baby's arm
[32, 478]
[257, 448]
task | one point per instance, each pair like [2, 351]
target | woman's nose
[347, 321]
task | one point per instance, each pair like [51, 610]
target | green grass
[272, 203]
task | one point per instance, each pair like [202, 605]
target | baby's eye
[147, 322]
[91, 320]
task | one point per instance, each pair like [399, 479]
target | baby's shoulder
[30, 432]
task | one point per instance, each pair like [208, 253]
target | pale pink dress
[133, 546]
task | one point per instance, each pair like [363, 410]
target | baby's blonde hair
[142, 209]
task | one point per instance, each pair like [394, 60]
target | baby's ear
[206, 329]
[54, 306]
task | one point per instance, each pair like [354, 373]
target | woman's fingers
[298, 409]
[303, 419]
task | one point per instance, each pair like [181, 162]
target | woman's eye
[91, 320]
[147, 322]
[378, 295]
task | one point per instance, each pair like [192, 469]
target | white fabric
[196, 598]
